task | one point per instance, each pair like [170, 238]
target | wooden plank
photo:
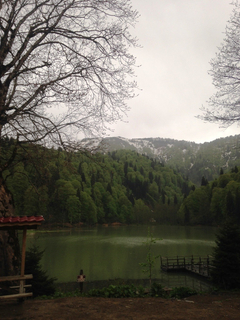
[17, 287]
[17, 295]
[16, 278]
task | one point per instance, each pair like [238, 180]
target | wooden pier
[195, 264]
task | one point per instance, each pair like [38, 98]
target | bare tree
[224, 105]
[65, 67]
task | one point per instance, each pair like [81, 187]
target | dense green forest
[190, 159]
[121, 186]
[214, 202]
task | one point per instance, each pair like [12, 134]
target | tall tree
[65, 69]
[225, 273]
[225, 72]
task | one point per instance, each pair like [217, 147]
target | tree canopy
[121, 186]
[213, 203]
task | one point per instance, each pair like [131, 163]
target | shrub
[121, 291]
[157, 290]
[182, 292]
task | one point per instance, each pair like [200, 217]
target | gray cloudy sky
[178, 38]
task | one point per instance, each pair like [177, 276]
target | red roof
[22, 221]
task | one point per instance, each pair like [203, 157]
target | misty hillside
[192, 160]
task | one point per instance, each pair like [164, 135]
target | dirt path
[224, 306]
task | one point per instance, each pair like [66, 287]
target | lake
[115, 252]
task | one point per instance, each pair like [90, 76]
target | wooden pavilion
[20, 223]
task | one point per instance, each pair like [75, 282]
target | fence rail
[195, 264]
[21, 287]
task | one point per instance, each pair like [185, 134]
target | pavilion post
[21, 288]
[20, 223]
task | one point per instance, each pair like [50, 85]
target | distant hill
[192, 160]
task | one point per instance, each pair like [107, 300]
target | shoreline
[99, 284]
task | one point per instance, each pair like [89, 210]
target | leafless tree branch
[65, 67]
[224, 106]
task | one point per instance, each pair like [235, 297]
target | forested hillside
[192, 160]
[121, 186]
[214, 202]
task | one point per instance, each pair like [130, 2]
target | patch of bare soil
[221, 306]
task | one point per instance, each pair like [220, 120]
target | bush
[157, 290]
[182, 292]
[126, 291]
[121, 291]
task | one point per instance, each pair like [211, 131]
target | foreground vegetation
[128, 291]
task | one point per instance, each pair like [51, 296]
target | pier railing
[198, 265]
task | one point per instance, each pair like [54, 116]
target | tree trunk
[9, 244]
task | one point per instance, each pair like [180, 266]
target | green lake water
[115, 252]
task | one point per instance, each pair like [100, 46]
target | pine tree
[41, 283]
[225, 273]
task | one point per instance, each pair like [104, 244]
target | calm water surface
[115, 252]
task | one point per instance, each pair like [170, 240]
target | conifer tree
[41, 283]
[225, 273]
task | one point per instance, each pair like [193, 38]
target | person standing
[81, 279]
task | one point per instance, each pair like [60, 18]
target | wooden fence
[20, 288]
[194, 264]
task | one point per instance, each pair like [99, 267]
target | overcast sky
[178, 39]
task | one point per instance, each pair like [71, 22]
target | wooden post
[208, 265]
[23, 251]
[21, 288]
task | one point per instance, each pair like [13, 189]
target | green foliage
[190, 159]
[157, 290]
[88, 208]
[73, 207]
[127, 291]
[121, 186]
[182, 292]
[226, 262]
[41, 283]
[213, 203]
[120, 291]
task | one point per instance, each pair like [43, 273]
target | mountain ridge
[191, 159]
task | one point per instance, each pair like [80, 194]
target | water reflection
[109, 253]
